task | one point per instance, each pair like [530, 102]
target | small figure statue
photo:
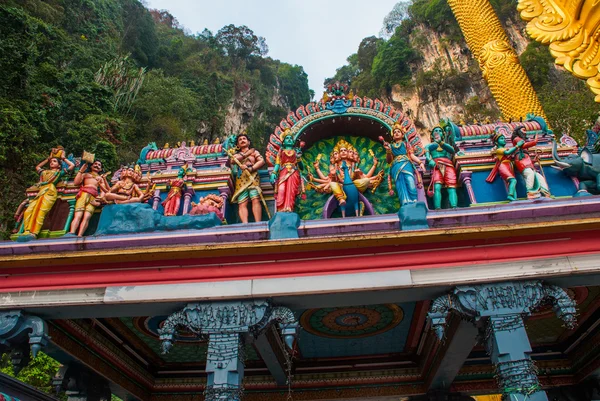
[173, 200]
[286, 177]
[86, 199]
[247, 183]
[402, 172]
[211, 203]
[534, 181]
[126, 189]
[504, 165]
[35, 214]
[439, 158]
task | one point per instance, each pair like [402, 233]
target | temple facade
[353, 260]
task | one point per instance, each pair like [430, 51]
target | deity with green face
[504, 164]
[286, 177]
[443, 174]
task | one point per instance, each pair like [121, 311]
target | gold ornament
[572, 29]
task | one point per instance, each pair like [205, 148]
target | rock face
[447, 81]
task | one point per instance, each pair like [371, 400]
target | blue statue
[584, 166]
[144, 152]
[351, 205]
[402, 171]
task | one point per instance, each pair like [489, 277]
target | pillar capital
[18, 333]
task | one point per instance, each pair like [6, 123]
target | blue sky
[319, 35]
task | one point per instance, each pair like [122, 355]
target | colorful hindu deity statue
[504, 164]
[176, 187]
[38, 208]
[286, 177]
[534, 181]
[443, 174]
[247, 183]
[126, 189]
[210, 203]
[93, 186]
[402, 173]
[345, 175]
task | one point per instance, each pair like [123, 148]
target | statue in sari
[286, 177]
[504, 163]
[534, 181]
[38, 208]
[402, 174]
[439, 159]
[176, 187]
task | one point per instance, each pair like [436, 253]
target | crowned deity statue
[126, 189]
[176, 187]
[247, 183]
[286, 178]
[344, 159]
[504, 163]
[443, 174]
[534, 181]
[402, 174]
[38, 208]
[93, 186]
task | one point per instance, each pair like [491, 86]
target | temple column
[508, 346]
[228, 325]
[71, 203]
[187, 199]
[225, 367]
[156, 199]
[465, 177]
[497, 310]
[499, 62]
[224, 193]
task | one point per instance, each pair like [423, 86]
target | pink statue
[210, 203]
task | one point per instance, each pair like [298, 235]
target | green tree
[392, 64]
[38, 373]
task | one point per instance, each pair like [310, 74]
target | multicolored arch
[352, 106]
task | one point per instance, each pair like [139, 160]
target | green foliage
[391, 65]
[437, 15]
[569, 105]
[537, 62]
[38, 373]
[475, 110]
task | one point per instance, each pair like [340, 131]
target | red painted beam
[420, 256]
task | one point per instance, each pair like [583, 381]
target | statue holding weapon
[247, 183]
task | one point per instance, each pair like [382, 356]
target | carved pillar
[187, 198]
[225, 367]
[465, 176]
[228, 325]
[498, 61]
[498, 310]
[156, 199]
[17, 330]
[71, 203]
[81, 384]
[507, 344]
[224, 193]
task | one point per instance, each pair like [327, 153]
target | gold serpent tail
[499, 63]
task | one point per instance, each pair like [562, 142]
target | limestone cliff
[447, 81]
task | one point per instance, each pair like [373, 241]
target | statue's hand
[520, 144]
[431, 163]
[273, 178]
[387, 146]
[375, 161]
[422, 166]
[391, 192]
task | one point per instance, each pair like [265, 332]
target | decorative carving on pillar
[227, 326]
[499, 63]
[16, 331]
[498, 309]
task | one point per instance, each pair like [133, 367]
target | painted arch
[357, 113]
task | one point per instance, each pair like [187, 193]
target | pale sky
[316, 34]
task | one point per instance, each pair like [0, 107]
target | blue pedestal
[413, 216]
[284, 225]
[140, 217]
